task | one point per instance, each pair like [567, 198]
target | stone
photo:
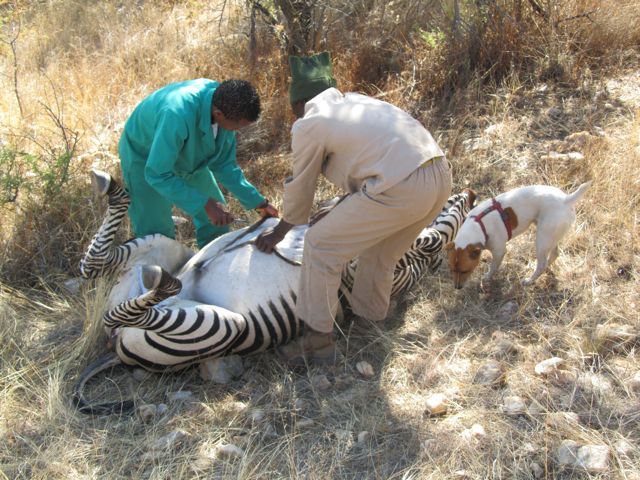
[436, 404]
[305, 423]
[536, 470]
[575, 156]
[565, 377]
[494, 129]
[476, 432]
[593, 458]
[462, 475]
[181, 396]
[615, 336]
[269, 431]
[204, 459]
[222, 370]
[634, 383]
[535, 409]
[140, 374]
[504, 348]
[320, 382]
[490, 373]
[228, 450]
[562, 422]
[624, 448]
[236, 407]
[567, 453]
[554, 112]
[514, 405]
[169, 441]
[73, 285]
[365, 369]
[549, 365]
[595, 382]
[477, 144]
[563, 157]
[343, 381]
[578, 139]
[363, 437]
[147, 411]
[507, 312]
[343, 435]
[162, 408]
[257, 416]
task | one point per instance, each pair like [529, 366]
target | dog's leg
[497, 254]
[546, 252]
[548, 236]
[540, 267]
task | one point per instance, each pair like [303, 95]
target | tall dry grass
[506, 75]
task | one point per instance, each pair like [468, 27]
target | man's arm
[267, 240]
[228, 173]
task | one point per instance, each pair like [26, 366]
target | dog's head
[462, 261]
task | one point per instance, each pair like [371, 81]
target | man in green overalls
[178, 143]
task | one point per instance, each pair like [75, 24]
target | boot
[311, 348]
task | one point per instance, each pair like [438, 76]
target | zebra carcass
[171, 308]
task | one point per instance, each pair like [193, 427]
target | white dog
[495, 221]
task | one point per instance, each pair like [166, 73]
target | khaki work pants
[378, 229]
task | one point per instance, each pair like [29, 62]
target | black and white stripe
[101, 258]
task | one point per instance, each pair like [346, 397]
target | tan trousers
[378, 229]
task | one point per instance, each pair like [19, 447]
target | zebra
[171, 308]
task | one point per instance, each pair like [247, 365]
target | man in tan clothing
[397, 179]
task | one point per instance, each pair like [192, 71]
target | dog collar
[495, 205]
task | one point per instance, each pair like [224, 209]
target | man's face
[228, 124]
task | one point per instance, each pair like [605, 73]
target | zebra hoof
[101, 181]
[155, 278]
[151, 276]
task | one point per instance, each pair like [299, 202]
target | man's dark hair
[238, 100]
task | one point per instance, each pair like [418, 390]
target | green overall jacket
[169, 156]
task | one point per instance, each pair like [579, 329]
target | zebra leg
[424, 253]
[100, 258]
[175, 334]
[137, 312]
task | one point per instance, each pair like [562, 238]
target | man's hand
[217, 214]
[265, 209]
[270, 237]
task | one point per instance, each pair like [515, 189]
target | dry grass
[576, 75]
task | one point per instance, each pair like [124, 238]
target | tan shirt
[356, 142]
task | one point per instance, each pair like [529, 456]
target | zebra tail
[103, 363]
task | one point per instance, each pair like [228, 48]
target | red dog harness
[495, 205]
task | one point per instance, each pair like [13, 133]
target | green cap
[310, 76]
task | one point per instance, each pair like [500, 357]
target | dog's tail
[572, 198]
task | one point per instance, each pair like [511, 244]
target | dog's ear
[449, 246]
[472, 197]
[475, 251]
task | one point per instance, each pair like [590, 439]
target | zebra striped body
[229, 297]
